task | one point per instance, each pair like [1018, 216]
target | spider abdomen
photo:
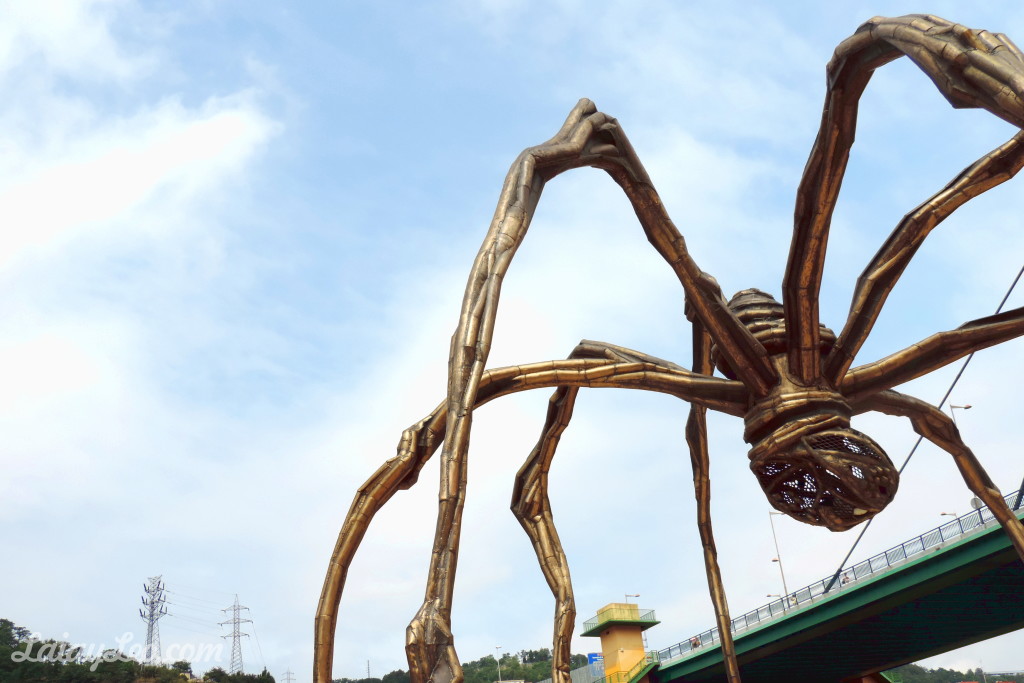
[822, 472]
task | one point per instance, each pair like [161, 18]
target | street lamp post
[953, 409]
[637, 595]
[778, 558]
[498, 657]
[782, 599]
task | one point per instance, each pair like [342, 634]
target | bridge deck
[964, 592]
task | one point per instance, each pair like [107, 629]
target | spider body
[791, 379]
[801, 438]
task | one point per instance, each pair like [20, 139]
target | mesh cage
[836, 478]
[834, 441]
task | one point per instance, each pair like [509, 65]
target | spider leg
[970, 68]
[415, 447]
[532, 507]
[588, 138]
[932, 353]
[937, 427]
[429, 646]
[881, 274]
[419, 442]
[697, 440]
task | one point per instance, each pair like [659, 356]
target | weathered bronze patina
[786, 375]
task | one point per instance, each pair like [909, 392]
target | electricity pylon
[153, 608]
[236, 622]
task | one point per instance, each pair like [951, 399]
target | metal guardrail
[961, 526]
[619, 614]
[649, 658]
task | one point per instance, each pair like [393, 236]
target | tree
[913, 673]
[216, 674]
[528, 665]
[113, 667]
[182, 666]
[533, 656]
[12, 635]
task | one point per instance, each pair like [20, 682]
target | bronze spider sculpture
[787, 376]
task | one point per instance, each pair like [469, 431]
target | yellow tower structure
[620, 626]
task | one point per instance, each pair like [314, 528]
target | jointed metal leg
[697, 440]
[972, 69]
[932, 353]
[588, 138]
[532, 507]
[880, 276]
[937, 427]
[419, 442]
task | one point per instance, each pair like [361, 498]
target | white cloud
[41, 366]
[101, 181]
[139, 182]
[105, 210]
[70, 37]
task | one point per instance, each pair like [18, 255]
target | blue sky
[235, 241]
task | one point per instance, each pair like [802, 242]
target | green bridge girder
[964, 592]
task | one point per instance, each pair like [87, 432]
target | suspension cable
[917, 443]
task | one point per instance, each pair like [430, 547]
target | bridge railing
[649, 658]
[631, 613]
[961, 526]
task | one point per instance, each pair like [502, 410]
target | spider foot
[429, 647]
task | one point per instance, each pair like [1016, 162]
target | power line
[197, 631]
[199, 603]
[180, 600]
[236, 622]
[204, 590]
[193, 598]
[258, 646]
[289, 677]
[194, 620]
[181, 609]
[176, 610]
[154, 607]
